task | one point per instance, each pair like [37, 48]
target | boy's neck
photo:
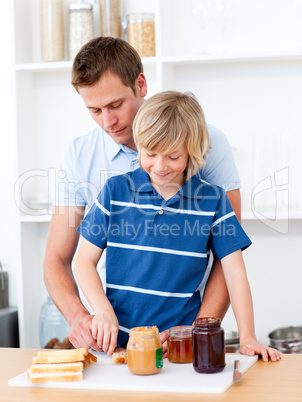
[167, 191]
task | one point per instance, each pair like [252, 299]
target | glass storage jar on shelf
[141, 33]
[52, 30]
[110, 18]
[53, 327]
[81, 27]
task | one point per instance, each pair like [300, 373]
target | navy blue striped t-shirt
[158, 251]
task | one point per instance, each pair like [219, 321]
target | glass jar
[144, 351]
[53, 326]
[180, 344]
[141, 33]
[110, 18]
[52, 30]
[81, 29]
[208, 345]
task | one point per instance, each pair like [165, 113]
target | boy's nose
[160, 164]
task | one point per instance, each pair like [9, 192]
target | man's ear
[141, 85]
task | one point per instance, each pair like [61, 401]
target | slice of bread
[54, 376]
[56, 367]
[60, 356]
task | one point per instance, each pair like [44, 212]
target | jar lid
[140, 17]
[80, 6]
[183, 331]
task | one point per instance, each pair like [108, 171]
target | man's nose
[109, 118]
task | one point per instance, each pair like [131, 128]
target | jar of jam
[180, 344]
[144, 351]
[208, 345]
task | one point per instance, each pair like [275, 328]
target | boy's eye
[174, 158]
[148, 153]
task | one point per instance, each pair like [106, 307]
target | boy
[159, 224]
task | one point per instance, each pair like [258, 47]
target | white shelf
[35, 218]
[250, 216]
[233, 58]
[188, 59]
[64, 65]
[245, 216]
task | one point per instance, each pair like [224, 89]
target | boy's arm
[105, 324]
[61, 245]
[242, 305]
[216, 300]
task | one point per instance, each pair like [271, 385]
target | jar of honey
[208, 345]
[144, 351]
[180, 344]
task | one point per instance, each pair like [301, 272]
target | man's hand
[80, 334]
[163, 336]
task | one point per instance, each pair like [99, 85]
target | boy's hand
[253, 347]
[105, 328]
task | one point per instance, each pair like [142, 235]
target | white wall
[273, 264]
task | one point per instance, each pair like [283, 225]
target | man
[108, 74]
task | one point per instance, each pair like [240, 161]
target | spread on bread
[60, 365]
[119, 358]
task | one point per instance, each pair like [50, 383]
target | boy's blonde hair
[168, 119]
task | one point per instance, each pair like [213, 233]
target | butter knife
[236, 374]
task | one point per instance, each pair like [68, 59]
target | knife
[236, 374]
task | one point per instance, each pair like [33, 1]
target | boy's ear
[141, 85]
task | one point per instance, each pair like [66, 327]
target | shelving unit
[242, 93]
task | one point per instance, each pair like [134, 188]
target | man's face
[113, 105]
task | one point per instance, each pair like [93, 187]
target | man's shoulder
[87, 140]
[216, 134]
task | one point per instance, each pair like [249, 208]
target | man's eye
[116, 106]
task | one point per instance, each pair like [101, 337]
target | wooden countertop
[280, 381]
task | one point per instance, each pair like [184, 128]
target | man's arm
[216, 299]
[61, 245]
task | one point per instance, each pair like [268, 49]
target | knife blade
[237, 375]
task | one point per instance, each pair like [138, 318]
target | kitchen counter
[262, 382]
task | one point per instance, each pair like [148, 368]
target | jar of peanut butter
[144, 351]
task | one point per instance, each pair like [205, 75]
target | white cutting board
[173, 377]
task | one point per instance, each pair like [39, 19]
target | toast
[54, 376]
[60, 365]
[56, 367]
[119, 358]
[60, 356]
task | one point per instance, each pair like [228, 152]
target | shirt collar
[112, 148]
[141, 182]
[193, 188]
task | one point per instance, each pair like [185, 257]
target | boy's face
[165, 170]
[113, 105]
